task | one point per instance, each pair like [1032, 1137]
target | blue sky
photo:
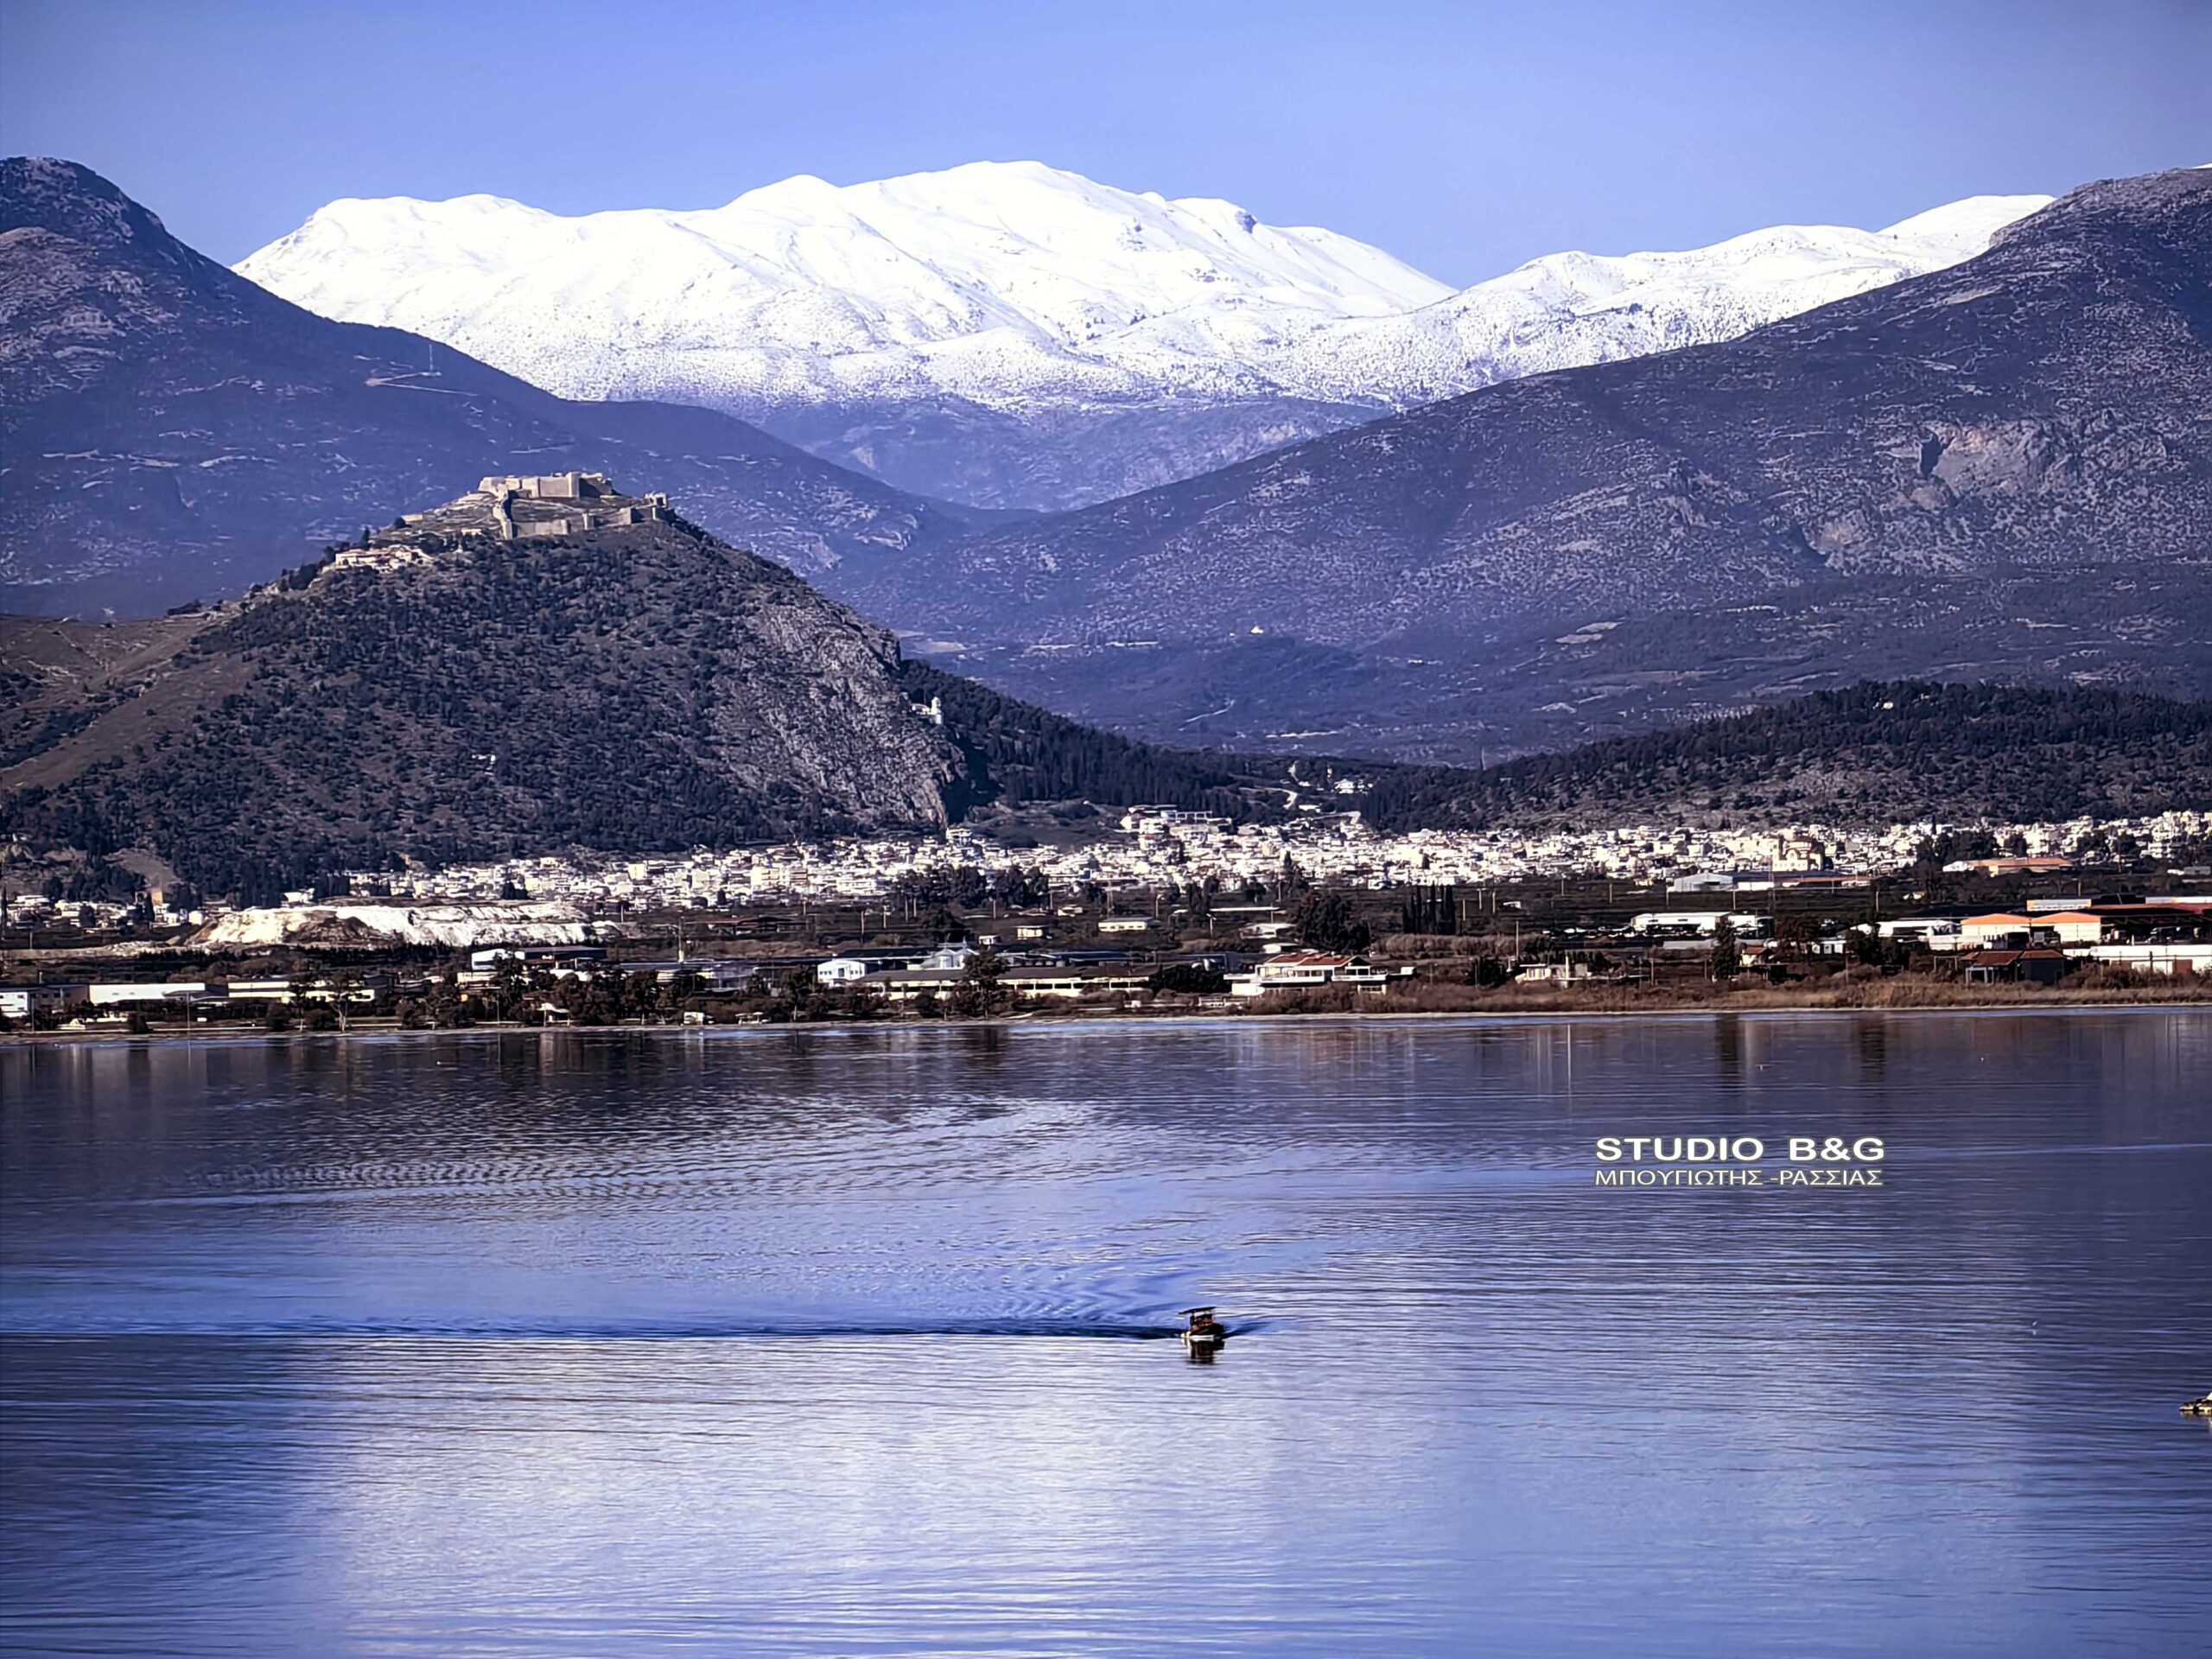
[1465, 138]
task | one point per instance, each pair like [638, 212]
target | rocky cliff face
[1999, 468]
[173, 432]
[454, 696]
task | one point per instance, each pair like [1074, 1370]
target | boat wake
[634, 1331]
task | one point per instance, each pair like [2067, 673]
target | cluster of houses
[2041, 943]
[1156, 846]
[2048, 938]
[1158, 850]
[897, 976]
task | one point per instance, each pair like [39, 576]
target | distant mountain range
[1012, 335]
[173, 432]
[2001, 469]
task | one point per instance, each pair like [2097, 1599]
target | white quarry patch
[374, 924]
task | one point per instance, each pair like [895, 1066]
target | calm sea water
[848, 1343]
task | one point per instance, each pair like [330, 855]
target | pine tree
[1728, 955]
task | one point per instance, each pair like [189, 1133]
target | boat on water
[1204, 1331]
[2197, 1407]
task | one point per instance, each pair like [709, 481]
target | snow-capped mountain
[1000, 282]
[172, 432]
[1998, 471]
[1569, 310]
[1013, 335]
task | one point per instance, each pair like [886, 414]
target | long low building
[22, 1001]
[133, 992]
[1935, 933]
[2010, 928]
[1687, 923]
[281, 990]
[2157, 958]
[1306, 970]
[1067, 981]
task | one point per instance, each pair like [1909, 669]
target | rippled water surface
[850, 1342]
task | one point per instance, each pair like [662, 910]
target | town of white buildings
[1158, 846]
[562, 903]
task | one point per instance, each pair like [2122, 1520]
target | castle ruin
[512, 521]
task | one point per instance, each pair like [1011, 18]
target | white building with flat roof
[21, 1001]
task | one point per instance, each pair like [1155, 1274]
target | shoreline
[34, 1039]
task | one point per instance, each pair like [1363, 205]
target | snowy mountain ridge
[1567, 309]
[1012, 334]
[996, 281]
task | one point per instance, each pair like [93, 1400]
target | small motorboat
[1204, 1331]
[2197, 1407]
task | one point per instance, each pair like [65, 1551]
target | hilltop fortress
[515, 507]
[509, 508]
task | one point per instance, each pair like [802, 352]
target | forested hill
[1016, 752]
[1877, 752]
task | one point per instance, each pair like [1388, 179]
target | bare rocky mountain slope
[172, 432]
[2001, 469]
